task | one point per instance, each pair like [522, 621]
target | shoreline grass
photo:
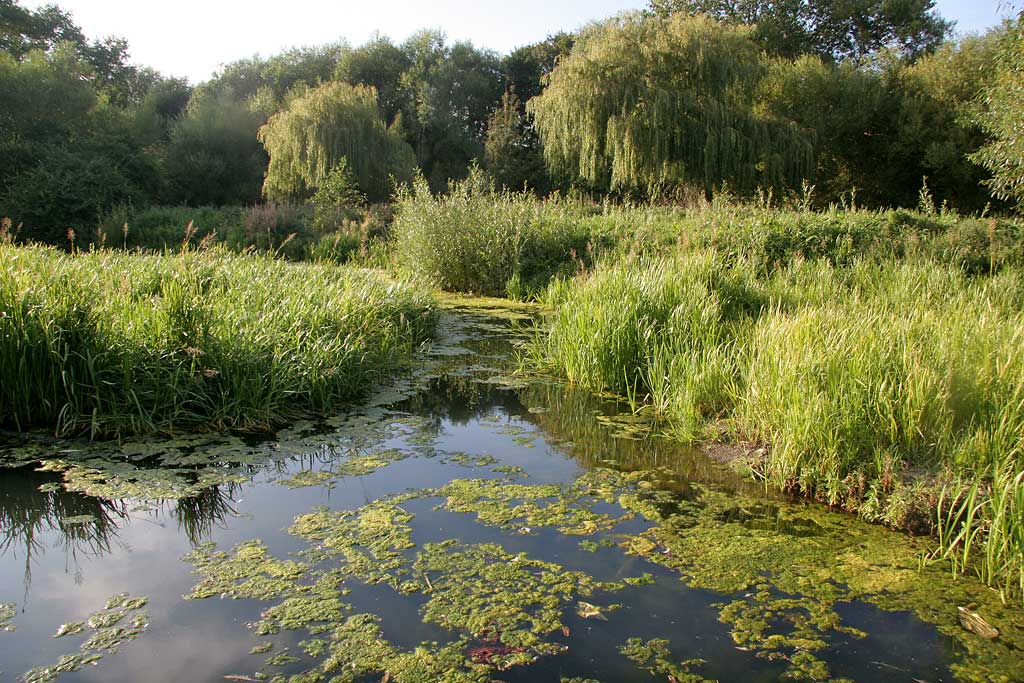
[871, 386]
[108, 343]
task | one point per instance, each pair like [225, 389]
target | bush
[476, 239]
[164, 227]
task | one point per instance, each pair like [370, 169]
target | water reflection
[35, 505]
[696, 534]
[38, 514]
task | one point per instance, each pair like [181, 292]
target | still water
[464, 524]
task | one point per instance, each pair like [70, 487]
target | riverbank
[893, 389]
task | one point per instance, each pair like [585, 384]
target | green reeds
[868, 384]
[480, 240]
[108, 343]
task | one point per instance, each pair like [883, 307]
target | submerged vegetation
[108, 343]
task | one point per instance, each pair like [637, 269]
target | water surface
[462, 525]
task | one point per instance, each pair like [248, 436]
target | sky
[192, 38]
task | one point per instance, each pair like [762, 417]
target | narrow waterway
[463, 524]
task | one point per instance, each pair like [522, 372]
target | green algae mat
[462, 524]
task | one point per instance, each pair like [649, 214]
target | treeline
[860, 101]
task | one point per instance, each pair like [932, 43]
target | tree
[648, 105]
[306, 66]
[1002, 116]
[379, 63]
[23, 31]
[525, 67]
[512, 153]
[850, 115]
[937, 132]
[213, 156]
[451, 91]
[67, 154]
[309, 139]
[831, 29]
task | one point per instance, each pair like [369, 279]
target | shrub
[477, 239]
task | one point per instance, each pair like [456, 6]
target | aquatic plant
[481, 240]
[108, 344]
[122, 619]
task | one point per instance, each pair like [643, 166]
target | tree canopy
[648, 104]
[318, 129]
[830, 29]
[1002, 117]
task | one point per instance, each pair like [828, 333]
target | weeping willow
[655, 104]
[318, 129]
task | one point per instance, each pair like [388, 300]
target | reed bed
[893, 388]
[109, 343]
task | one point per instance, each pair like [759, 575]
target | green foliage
[213, 156]
[379, 63]
[848, 376]
[67, 155]
[49, 28]
[1002, 110]
[451, 91]
[339, 189]
[108, 343]
[850, 113]
[935, 134]
[512, 151]
[652, 105]
[164, 227]
[525, 67]
[830, 29]
[882, 130]
[276, 75]
[476, 239]
[323, 126]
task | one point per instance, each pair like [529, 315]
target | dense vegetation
[787, 225]
[689, 98]
[108, 343]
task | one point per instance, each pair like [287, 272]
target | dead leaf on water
[973, 622]
[588, 611]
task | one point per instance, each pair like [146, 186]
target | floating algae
[469, 578]
[655, 657]
[7, 612]
[122, 619]
[502, 608]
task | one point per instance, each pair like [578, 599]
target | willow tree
[319, 128]
[652, 104]
[1002, 116]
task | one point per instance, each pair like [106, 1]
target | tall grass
[109, 343]
[480, 240]
[868, 384]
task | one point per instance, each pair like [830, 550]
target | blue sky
[193, 37]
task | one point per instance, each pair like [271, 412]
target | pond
[463, 524]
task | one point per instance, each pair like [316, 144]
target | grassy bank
[110, 343]
[479, 240]
[893, 388]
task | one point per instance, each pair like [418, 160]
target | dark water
[64, 552]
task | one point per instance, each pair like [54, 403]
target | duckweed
[7, 612]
